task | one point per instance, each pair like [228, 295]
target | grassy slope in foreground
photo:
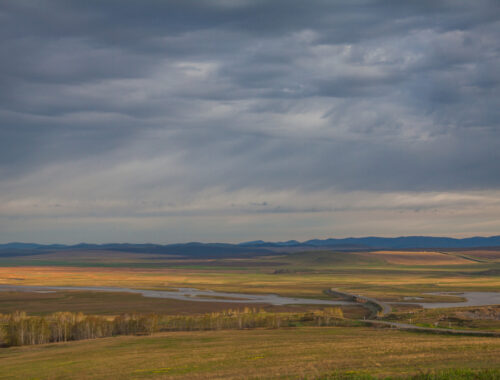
[297, 353]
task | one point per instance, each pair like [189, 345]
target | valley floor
[392, 277]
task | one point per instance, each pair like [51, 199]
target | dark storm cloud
[238, 94]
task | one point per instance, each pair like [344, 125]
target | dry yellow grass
[247, 354]
[259, 353]
[418, 258]
[381, 282]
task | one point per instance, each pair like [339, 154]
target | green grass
[298, 353]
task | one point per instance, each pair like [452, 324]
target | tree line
[250, 318]
[19, 329]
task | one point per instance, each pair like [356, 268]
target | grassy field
[303, 352]
[296, 353]
[305, 275]
[481, 318]
[103, 303]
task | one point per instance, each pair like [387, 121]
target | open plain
[298, 351]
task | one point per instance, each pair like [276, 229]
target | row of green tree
[19, 329]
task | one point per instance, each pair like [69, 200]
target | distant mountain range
[257, 247]
[192, 250]
[373, 242]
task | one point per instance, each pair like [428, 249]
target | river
[185, 294]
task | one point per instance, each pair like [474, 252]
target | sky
[234, 120]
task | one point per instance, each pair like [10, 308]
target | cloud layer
[230, 120]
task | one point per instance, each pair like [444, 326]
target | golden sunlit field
[302, 274]
[299, 352]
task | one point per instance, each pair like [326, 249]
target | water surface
[470, 299]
